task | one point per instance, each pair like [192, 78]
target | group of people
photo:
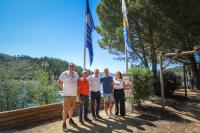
[89, 86]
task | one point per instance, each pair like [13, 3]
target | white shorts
[108, 97]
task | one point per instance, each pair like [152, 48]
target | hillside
[23, 67]
[26, 81]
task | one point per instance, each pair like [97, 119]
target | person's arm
[123, 84]
[101, 80]
[78, 90]
[90, 82]
[60, 83]
[113, 84]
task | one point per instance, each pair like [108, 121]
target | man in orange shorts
[68, 82]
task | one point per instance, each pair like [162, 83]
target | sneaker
[116, 113]
[71, 122]
[99, 117]
[111, 114]
[108, 116]
[64, 127]
[87, 119]
[81, 122]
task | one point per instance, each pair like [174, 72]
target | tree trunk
[153, 57]
[154, 68]
[143, 50]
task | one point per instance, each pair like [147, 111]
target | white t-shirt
[69, 83]
[94, 83]
[118, 83]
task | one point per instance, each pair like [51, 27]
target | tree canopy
[27, 81]
[154, 26]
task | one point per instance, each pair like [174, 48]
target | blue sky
[53, 28]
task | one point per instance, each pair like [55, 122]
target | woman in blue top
[107, 83]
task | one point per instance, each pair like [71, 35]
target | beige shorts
[69, 101]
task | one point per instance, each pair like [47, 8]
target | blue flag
[127, 43]
[89, 27]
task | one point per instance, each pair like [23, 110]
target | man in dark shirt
[107, 83]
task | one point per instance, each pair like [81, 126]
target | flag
[89, 27]
[125, 13]
[125, 28]
[127, 43]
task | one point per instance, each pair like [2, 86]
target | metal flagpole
[84, 51]
[84, 57]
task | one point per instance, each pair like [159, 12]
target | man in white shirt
[95, 94]
[68, 82]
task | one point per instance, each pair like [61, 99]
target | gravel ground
[179, 117]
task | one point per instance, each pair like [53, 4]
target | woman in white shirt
[119, 94]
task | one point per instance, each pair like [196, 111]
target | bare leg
[64, 114]
[71, 108]
[106, 107]
[110, 107]
[65, 109]
[70, 112]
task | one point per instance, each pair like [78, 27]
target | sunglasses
[71, 66]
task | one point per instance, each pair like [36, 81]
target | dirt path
[137, 123]
[180, 116]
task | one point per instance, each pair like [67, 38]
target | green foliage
[159, 25]
[17, 94]
[27, 81]
[171, 82]
[46, 93]
[178, 70]
[24, 67]
[184, 16]
[142, 82]
[146, 24]
[42, 77]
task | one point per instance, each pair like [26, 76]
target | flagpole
[84, 49]
[125, 24]
[84, 57]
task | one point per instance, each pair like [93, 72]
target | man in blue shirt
[107, 83]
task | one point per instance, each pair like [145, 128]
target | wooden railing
[10, 120]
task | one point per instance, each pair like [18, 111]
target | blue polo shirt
[107, 84]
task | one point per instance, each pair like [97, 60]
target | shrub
[171, 82]
[142, 82]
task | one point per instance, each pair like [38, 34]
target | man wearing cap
[83, 94]
[95, 94]
[68, 82]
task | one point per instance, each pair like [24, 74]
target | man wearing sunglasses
[68, 82]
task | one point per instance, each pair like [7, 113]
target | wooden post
[162, 83]
[184, 78]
